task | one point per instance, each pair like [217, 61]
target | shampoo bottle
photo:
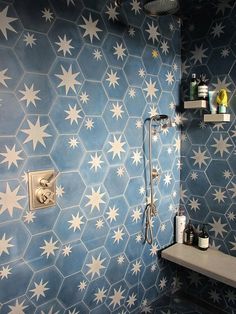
[193, 88]
[203, 239]
[189, 234]
[180, 226]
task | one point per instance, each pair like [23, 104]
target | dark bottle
[202, 88]
[189, 234]
[203, 239]
[193, 88]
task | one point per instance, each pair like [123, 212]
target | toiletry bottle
[202, 88]
[180, 224]
[189, 234]
[193, 88]
[203, 239]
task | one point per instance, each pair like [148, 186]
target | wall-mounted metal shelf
[218, 117]
[195, 104]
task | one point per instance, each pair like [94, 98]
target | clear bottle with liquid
[203, 239]
[189, 234]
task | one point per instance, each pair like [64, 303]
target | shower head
[160, 7]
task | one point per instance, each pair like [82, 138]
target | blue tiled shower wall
[208, 181]
[78, 80]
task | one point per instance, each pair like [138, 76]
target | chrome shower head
[160, 7]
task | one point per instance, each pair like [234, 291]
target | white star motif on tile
[64, 45]
[194, 278]
[51, 311]
[184, 68]
[231, 216]
[76, 222]
[131, 31]
[131, 300]
[18, 308]
[95, 266]
[165, 47]
[73, 142]
[233, 244]
[175, 67]
[194, 204]
[227, 174]
[118, 235]
[141, 72]
[112, 213]
[162, 283]
[150, 89]
[120, 259]
[198, 54]
[95, 162]
[117, 111]
[117, 297]
[68, 2]
[163, 225]
[219, 195]
[90, 28]
[120, 171]
[97, 54]
[132, 92]
[89, 124]
[233, 189]
[138, 124]
[29, 217]
[73, 114]
[68, 79]
[29, 40]
[222, 5]
[180, 118]
[231, 296]
[36, 133]
[5, 22]
[39, 289]
[116, 147]
[59, 191]
[99, 223]
[169, 78]
[225, 52]
[5, 245]
[182, 193]
[135, 6]
[221, 145]
[49, 247]
[73, 312]
[119, 51]
[4, 77]
[214, 246]
[25, 177]
[112, 79]
[112, 13]
[217, 30]
[167, 179]
[218, 227]
[221, 84]
[153, 249]
[214, 296]
[82, 285]
[138, 238]
[153, 32]
[5, 272]
[95, 199]
[136, 267]
[84, 97]
[67, 249]
[47, 15]
[136, 214]
[11, 156]
[30, 95]
[10, 200]
[200, 157]
[137, 157]
[100, 295]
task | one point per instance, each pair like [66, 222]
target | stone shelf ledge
[219, 117]
[211, 263]
[195, 104]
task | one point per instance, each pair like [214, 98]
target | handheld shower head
[159, 117]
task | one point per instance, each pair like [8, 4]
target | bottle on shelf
[203, 239]
[180, 223]
[193, 88]
[189, 234]
[202, 88]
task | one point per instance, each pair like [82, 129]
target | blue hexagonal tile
[32, 46]
[42, 250]
[117, 268]
[65, 38]
[134, 132]
[134, 248]
[200, 186]
[93, 133]
[116, 211]
[116, 181]
[37, 135]
[198, 208]
[91, 58]
[199, 158]
[51, 306]
[117, 290]
[218, 199]
[134, 163]
[10, 70]
[134, 271]
[218, 172]
[132, 36]
[135, 101]
[115, 50]
[115, 83]
[71, 160]
[10, 167]
[223, 64]
[132, 193]
[230, 215]
[116, 150]
[22, 301]
[220, 145]
[152, 60]
[71, 112]
[134, 71]
[116, 240]
[166, 77]
[93, 92]
[115, 116]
